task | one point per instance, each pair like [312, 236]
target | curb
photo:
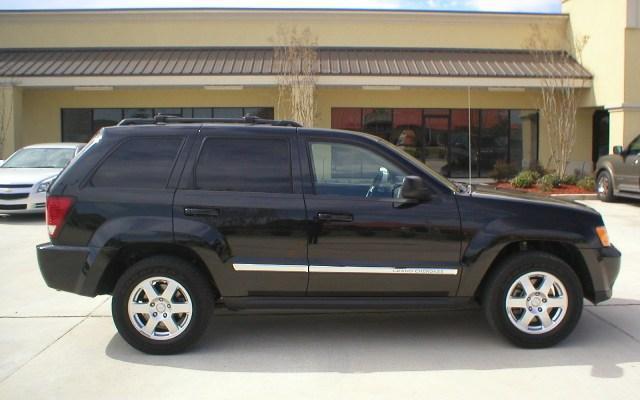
[575, 196]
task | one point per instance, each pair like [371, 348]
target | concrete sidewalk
[58, 345]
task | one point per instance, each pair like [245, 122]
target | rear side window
[139, 163]
[245, 165]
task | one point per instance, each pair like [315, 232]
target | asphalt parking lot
[59, 345]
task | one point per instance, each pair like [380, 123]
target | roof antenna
[469, 125]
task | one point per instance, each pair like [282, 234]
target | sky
[536, 6]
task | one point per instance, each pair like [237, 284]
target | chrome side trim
[383, 270]
[270, 268]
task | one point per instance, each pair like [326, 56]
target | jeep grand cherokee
[175, 216]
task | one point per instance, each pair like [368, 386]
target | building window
[80, 124]
[440, 137]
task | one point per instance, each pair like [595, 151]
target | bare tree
[295, 58]
[6, 115]
[559, 96]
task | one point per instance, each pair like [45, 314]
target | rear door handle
[334, 217]
[210, 212]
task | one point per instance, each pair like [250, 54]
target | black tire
[507, 273]
[605, 179]
[189, 277]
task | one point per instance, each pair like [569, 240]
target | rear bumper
[66, 268]
[604, 266]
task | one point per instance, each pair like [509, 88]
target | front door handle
[208, 212]
[334, 217]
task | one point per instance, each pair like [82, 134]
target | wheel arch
[565, 251]
[130, 254]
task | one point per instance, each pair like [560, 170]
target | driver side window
[341, 169]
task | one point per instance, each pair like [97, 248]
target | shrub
[525, 179]
[539, 169]
[569, 180]
[503, 171]
[587, 183]
[549, 181]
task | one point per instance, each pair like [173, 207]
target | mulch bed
[563, 189]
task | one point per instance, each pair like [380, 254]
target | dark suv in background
[173, 216]
[618, 174]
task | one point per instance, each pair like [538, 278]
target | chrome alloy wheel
[536, 302]
[160, 308]
[603, 185]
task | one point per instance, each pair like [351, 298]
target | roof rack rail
[172, 119]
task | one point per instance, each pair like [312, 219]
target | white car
[26, 175]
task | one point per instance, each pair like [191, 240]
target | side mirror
[413, 188]
[618, 150]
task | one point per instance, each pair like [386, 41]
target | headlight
[43, 187]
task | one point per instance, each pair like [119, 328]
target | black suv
[174, 216]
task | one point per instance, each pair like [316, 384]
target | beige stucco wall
[11, 119]
[259, 28]
[42, 106]
[612, 54]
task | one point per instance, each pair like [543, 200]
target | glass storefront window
[228, 112]
[203, 113]
[177, 112]
[524, 139]
[76, 125]
[440, 137]
[105, 117]
[347, 118]
[407, 132]
[494, 139]
[262, 112]
[377, 121]
[138, 113]
[80, 124]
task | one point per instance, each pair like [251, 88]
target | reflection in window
[228, 112]
[440, 137]
[347, 118]
[377, 121]
[138, 113]
[105, 117]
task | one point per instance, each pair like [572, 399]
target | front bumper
[22, 201]
[604, 267]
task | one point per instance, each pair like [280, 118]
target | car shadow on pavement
[381, 342]
[22, 219]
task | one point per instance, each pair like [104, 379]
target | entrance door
[241, 205]
[600, 134]
[361, 242]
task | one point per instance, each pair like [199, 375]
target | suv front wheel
[162, 305]
[534, 299]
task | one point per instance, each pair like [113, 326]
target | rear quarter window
[144, 163]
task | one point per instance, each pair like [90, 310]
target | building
[407, 76]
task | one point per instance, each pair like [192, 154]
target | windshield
[40, 158]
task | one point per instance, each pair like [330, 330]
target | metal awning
[20, 65]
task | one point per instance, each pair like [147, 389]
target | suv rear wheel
[162, 305]
[534, 299]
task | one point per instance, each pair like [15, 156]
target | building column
[624, 126]
[10, 119]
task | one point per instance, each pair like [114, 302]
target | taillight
[57, 209]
